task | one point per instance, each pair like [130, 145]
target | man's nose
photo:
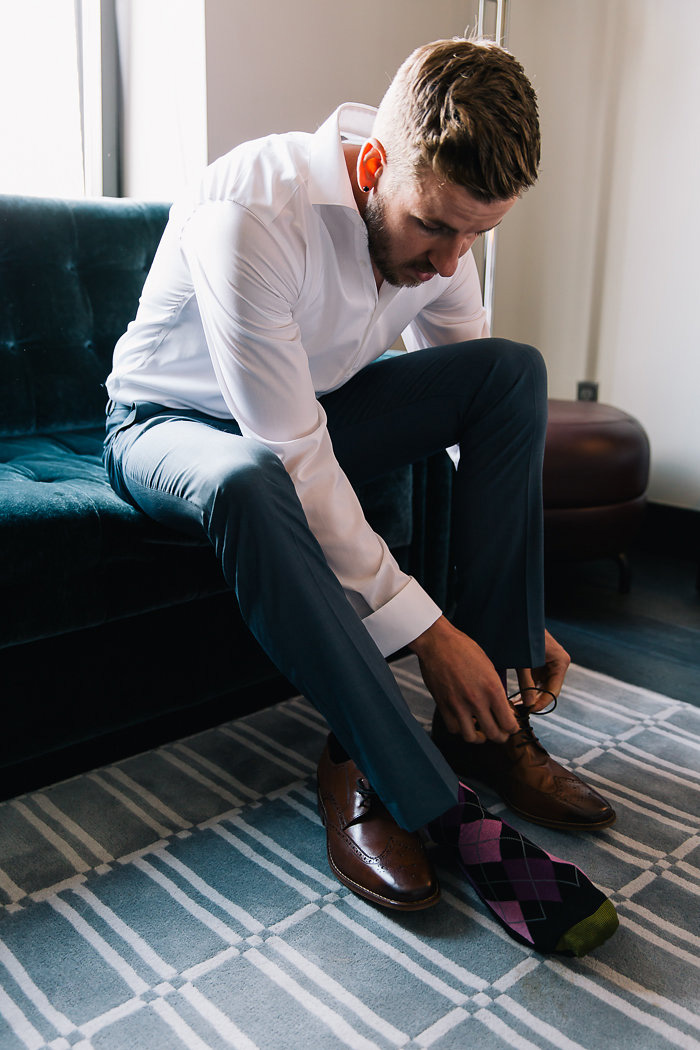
[446, 258]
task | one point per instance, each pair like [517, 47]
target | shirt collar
[328, 174]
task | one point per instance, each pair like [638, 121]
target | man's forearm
[464, 683]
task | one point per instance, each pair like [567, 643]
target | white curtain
[40, 114]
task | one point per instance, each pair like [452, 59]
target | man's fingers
[538, 700]
[525, 679]
[540, 684]
[464, 726]
[495, 721]
[464, 683]
[471, 732]
[479, 721]
[506, 721]
[555, 677]
[557, 661]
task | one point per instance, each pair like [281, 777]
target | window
[72, 71]
[40, 121]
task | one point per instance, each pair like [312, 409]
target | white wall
[598, 265]
[200, 76]
[274, 65]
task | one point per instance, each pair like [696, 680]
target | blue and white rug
[182, 899]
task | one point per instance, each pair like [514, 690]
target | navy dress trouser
[198, 474]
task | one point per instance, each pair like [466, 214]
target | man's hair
[466, 110]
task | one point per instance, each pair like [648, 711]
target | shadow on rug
[182, 898]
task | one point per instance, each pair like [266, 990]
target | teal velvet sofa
[98, 602]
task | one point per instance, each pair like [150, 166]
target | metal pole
[499, 36]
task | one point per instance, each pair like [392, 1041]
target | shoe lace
[526, 735]
[368, 795]
[366, 791]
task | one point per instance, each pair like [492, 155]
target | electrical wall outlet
[586, 390]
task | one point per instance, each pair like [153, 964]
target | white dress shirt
[261, 297]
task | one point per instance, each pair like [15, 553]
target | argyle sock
[542, 901]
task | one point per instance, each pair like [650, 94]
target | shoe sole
[543, 822]
[372, 895]
[558, 825]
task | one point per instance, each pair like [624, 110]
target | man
[246, 397]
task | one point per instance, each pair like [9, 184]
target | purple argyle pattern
[534, 894]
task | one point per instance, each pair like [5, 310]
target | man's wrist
[437, 631]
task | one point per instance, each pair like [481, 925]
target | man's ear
[371, 162]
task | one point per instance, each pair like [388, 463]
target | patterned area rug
[182, 898]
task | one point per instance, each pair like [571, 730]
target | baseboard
[673, 531]
[38, 772]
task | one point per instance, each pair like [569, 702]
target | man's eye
[430, 227]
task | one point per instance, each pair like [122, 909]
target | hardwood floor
[650, 637]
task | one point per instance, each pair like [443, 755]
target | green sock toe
[591, 932]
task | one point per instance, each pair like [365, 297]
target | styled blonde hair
[466, 110]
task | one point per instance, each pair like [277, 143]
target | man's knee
[521, 366]
[246, 479]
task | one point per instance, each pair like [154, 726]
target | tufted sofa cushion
[71, 273]
[75, 555]
[55, 504]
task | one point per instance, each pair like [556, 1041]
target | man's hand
[464, 684]
[550, 676]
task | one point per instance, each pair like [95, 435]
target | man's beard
[379, 246]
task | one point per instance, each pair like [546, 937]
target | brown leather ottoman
[596, 470]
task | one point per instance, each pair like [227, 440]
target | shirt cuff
[402, 619]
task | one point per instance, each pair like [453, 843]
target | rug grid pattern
[182, 898]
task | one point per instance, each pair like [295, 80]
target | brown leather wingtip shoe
[526, 777]
[367, 850]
